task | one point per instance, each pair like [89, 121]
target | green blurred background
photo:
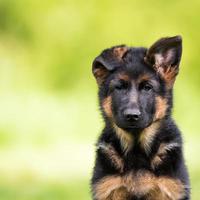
[49, 118]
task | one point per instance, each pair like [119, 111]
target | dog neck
[144, 138]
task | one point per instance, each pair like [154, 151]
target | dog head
[135, 84]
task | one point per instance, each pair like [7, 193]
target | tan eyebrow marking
[124, 77]
[143, 77]
[147, 78]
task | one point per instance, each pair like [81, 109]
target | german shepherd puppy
[139, 153]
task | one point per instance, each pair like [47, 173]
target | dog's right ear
[107, 62]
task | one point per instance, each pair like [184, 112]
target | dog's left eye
[146, 86]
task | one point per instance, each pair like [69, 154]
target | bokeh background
[49, 119]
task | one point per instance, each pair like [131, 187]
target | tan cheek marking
[161, 108]
[104, 188]
[107, 106]
[147, 136]
[116, 160]
[126, 138]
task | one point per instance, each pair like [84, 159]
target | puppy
[139, 153]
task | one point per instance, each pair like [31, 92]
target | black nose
[132, 114]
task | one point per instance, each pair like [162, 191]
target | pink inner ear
[164, 59]
[159, 59]
[120, 51]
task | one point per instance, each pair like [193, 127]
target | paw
[119, 194]
[108, 187]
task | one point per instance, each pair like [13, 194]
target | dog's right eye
[121, 85]
[118, 85]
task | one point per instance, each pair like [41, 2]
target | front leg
[171, 188]
[115, 159]
[141, 184]
[168, 154]
[168, 165]
[106, 186]
[146, 185]
[110, 188]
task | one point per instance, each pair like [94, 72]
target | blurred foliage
[49, 118]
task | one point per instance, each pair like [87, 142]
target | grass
[47, 151]
[49, 119]
[31, 189]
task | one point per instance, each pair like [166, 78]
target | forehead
[134, 66]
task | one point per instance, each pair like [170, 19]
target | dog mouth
[129, 127]
[133, 127]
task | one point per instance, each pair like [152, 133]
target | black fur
[133, 109]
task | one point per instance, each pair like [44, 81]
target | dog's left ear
[165, 55]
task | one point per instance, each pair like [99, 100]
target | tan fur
[116, 160]
[168, 73]
[156, 161]
[104, 188]
[161, 108]
[120, 51]
[119, 194]
[146, 184]
[171, 189]
[107, 106]
[141, 183]
[161, 153]
[126, 138]
[147, 136]
[100, 74]
[143, 77]
[124, 77]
